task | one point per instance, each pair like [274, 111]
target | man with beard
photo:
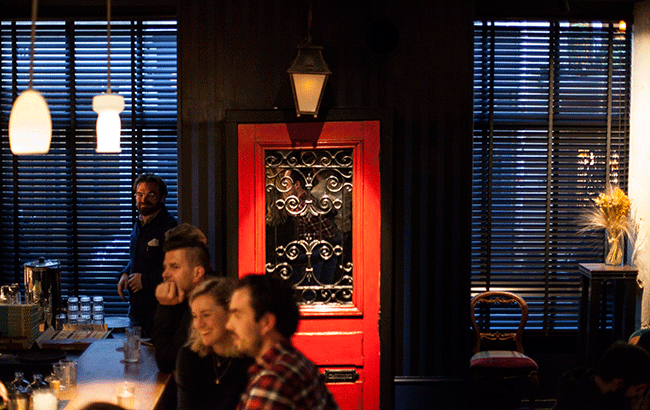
[144, 271]
[263, 318]
[623, 373]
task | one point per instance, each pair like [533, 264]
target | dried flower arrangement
[611, 211]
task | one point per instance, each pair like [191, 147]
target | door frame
[387, 301]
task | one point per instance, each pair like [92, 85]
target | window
[551, 108]
[72, 204]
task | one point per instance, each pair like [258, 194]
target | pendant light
[108, 106]
[308, 74]
[30, 124]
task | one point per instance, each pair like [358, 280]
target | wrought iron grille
[309, 222]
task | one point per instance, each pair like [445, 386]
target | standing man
[186, 265]
[263, 317]
[143, 272]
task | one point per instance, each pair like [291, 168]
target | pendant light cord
[31, 52]
[108, 39]
[309, 23]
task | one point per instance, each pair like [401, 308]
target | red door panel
[340, 308]
[335, 348]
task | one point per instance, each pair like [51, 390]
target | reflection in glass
[309, 222]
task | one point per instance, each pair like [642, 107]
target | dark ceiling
[555, 9]
[88, 9]
[483, 9]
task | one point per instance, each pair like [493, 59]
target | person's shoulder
[291, 363]
[167, 217]
[186, 352]
[187, 358]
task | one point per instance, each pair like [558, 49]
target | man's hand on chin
[169, 294]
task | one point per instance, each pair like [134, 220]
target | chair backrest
[501, 298]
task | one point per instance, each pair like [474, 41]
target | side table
[595, 278]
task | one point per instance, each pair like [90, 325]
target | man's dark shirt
[170, 331]
[146, 258]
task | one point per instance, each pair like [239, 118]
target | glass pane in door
[309, 222]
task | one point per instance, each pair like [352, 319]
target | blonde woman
[210, 375]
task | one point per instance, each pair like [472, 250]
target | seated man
[263, 317]
[186, 265]
[623, 373]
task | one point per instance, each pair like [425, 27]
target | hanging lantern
[309, 75]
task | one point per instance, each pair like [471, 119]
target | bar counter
[101, 368]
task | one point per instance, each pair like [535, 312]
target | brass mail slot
[341, 376]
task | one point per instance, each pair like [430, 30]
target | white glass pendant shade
[308, 91]
[108, 107]
[30, 124]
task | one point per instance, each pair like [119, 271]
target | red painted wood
[348, 395]
[336, 337]
[335, 348]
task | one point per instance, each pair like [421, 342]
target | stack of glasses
[81, 312]
[98, 310]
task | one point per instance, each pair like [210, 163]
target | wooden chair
[500, 376]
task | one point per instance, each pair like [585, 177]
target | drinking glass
[70, 371]
[135, 331]
[132, 344]
[62, 373]
[73, 310]
[125, 395]
[98, 310]
[84, 309]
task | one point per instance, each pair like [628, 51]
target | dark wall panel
[417, 60]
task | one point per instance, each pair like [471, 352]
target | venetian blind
[72, 204]
[551, 108]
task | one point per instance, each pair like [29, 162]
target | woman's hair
[220, 290]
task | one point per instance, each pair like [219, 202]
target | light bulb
[308, 89]
[108, 107]
[30, 124]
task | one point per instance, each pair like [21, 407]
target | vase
[616, 247]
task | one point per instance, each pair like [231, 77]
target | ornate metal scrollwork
[308, 217]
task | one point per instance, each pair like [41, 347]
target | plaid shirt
[285, 379]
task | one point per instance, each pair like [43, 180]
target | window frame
[79, 198]
[529, 187]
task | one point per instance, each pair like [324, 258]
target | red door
[309, 211]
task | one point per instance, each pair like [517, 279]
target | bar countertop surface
[101, 368]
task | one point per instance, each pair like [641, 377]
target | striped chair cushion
[502, 359]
